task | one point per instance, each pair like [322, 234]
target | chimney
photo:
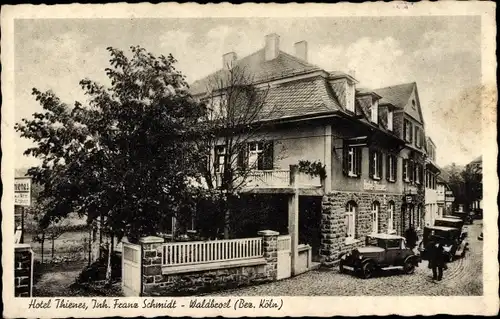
[301, 50]
[352, 73]
[228, 60]
[272, 48]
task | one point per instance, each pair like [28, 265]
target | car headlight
[360, 257]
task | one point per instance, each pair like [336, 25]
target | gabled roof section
[256, 66]
[397, 95]
[299, 98]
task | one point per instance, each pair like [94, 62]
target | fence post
[151, 248]
[270, 251]
[23, 270]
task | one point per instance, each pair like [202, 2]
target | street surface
[464, 277]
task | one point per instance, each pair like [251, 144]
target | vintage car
[452, 221]
[382, 252]
[454, 241]
[465, 216]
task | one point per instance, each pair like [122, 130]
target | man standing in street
[436, 259]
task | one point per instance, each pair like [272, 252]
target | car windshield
[371, 241]
[448, 223]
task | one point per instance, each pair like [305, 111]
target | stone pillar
[151, 262]
[293, 219]
[270, 250]
[23, 270]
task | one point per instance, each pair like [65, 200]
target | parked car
[453, 239]
[465, 216]
[452, 221]
[382, 252]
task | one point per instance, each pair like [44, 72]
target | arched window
[374, 216]
[350, 219]
[390, 216]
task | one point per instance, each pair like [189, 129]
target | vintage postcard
[249, 160]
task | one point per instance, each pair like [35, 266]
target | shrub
[97, 270]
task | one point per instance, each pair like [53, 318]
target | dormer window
[349, 95]
[374, 112]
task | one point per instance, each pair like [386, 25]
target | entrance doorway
[310, 224]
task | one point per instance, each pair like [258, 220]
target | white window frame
[254, 153]
[350, 215]
[391, 159]
[374, 217]
[417, 174]
[406, 170]
[351, 154]
[376, 158]
[374, 112]
[390, 117]
[390, 213]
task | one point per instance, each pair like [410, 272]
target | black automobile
[382, 252]
[465, 216]
[454, 241]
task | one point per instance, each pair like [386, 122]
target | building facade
[371, 143]
[431, 194]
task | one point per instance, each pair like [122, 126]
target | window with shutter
[268, 156]
[411, 171]
[351, 160]
[391, 168]
[358, 160]
[371, 170]
[380, 164]
[350, 220]
[375, 164]
[243, 157]
[220, 158]
[345, 158]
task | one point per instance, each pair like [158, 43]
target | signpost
[22, 198]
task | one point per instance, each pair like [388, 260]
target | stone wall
[200, 278]
[23, 270]
[334, 229]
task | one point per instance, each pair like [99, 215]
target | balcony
[278, 181]
[282, 181]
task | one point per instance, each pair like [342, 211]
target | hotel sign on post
[22, 191]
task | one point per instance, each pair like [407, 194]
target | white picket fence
[200, 252]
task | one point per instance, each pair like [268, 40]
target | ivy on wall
[315, 168]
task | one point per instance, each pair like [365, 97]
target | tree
[473, 187]
[123, 156]
[236, 108]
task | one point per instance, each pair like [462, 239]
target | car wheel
[368, 269]
[409, 267]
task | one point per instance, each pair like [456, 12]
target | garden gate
[284, 257]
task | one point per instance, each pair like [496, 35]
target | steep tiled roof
[299, 98]
[397, 95]
[256, 66]
[477, 160]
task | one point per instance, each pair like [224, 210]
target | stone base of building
[334, 229]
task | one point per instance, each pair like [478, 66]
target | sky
[442, 54]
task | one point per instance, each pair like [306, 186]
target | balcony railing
[280, 178]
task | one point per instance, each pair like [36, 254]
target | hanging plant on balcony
[315, 168]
